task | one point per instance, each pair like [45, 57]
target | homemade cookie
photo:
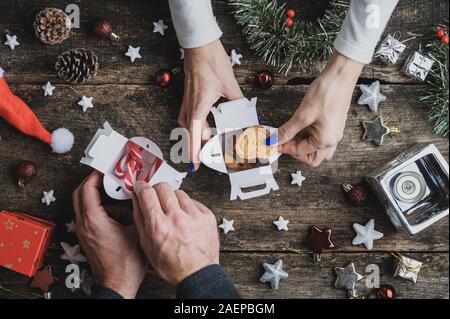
[251, 144]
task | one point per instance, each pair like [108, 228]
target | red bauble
[445, 39]
[25, 172]
[103, 29]
[163, 78]
[386, 292]
[440, 32]
[290, 13]
[265, 79]
[289, 22]
[357, 194]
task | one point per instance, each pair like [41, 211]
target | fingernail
[273, 139]
[192, 167]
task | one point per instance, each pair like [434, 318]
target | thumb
[291, 128]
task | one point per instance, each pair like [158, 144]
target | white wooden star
[281, 223]
[366, 234]
[86, 103]
[48, 89]
[133, 53]
[72, 253]
[297, 178]
[181, 54]
[70, 227]
[48, 197]
[371, 96]
[159, 26]
[235, 58]
[227, 225]
[11, 41]
[273, 274]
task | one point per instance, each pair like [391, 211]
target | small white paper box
[418, 66]
[408, 268]
[234, 116]
[107, 147]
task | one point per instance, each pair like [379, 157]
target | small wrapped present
[407, 268]
[418, 66]
[389, 50]
[24, 240]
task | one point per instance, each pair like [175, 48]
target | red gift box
[24, 240]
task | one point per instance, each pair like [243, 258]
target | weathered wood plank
[306, 279]
[149, 111]
[32, 61]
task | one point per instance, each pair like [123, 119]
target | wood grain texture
[125, 96]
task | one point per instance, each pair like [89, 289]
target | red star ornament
[319, 240]
[43, 280]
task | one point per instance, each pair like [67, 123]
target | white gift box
[232, 118]
[408, 268]
[107, 147]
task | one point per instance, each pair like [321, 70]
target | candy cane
[130, 165]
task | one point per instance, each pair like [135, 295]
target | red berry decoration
[440, 32]
[386, 292]
[290, 13]
[163, 78]
[265, 79]
[357, 194]
[445, 39]
[26, 172]
[103, 29]
[289, 22]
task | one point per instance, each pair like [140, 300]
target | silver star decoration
[235, 58]
[48, 89]
[297, 178]
[48, 197]
[366, 234]
[70, 227]
[227, 225]
[11, 41]
[181, 54]
[281, 223]
[133, 53]
[86, 103]
[72, 253]
[371, 96]
[347, 278]
[159, 27]
[273, 274]
[375, 130]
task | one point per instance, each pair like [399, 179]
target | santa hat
[19, 115]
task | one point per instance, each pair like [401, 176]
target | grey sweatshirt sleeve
[363, 27]
[194, 22]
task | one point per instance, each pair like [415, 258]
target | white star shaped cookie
[227, 225]
[297, 178]
[133, 53]
[48, 89]
[11, 41]
[86, 103]
[235, 58]
[281, 223]
[159, 27]
[366, 234]
[48, 197]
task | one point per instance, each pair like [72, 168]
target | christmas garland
[437, 96]
[282, 44]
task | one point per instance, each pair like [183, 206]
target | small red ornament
[357, 194]
[440, 32]
[290, 13]
[289, 22]
[43, 280]
[163, 78]
[318, 240]
[445, 39]
[386, 292]
[265, 79]
[26, 171]
[103, 29]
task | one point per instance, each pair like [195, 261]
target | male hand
[112, 249]
[208, 77]
[322, 113]
[178, 234]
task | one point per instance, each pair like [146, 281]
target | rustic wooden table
[125, 95]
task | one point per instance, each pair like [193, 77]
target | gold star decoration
[9, 224]
[2, 245]
[8, 265]
[26, 244]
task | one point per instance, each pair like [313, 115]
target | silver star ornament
[159, 27]
[133, 53]
[227, 225]
[347, 277]
[11, 41]
[72, 253]
[366, 234]
[273, 274]
[371, 96]
[86, 103]
[48, 89]
[281, 223]
[48, 197]
[375, 130]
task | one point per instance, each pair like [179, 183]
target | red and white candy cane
[130, 165]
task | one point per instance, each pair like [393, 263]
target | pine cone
[52, 26]
[77, 65]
